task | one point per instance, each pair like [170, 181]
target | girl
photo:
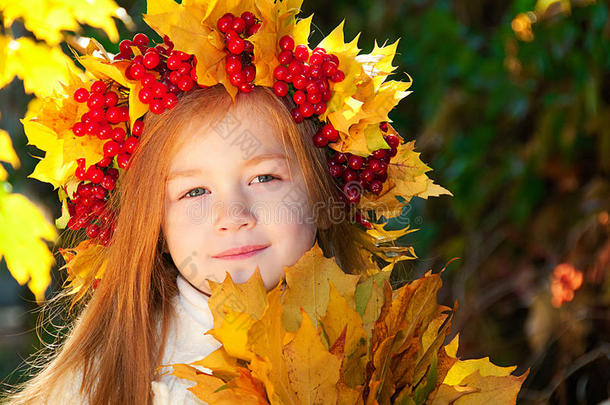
[193, 193]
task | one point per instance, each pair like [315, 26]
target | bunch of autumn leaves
[326, 337]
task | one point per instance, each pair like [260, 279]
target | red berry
[185, 83]
[93, 230]
[330, 132]
[237, 79]
[319, 50]
[123, 160]
[97, 114]
[329, 68]
[286, 43]
[299, 81]
[98, 87]
[375, 186]
[374, 164]
[248, 18]
[355, 162]
[185, 68]
[350, 175]
[131, 144]
[233, 66]
[94, 174]
[280, 72]
[81, 95]
[295, 67]
[299, 97]
[351, 193]
[239, 25]
[105, 162]
[316, 72]
[392, 140]
[173, 62]
[383, 168]
[93, 128]
[306, 109]
[151, 59]
[174, 77]
[80, 173]
[252, 29]
[159, 89]
[316, 59]
[79, 129]
[383, 126]
[319, 140]
[96, 99]
[140, 39]
[138, 126]
[118, 134]
[335, 170]
[314, 98]
[340, 157]
[280, 88]
[320, 108]
[147, 79]
[108, 182]
[249, 72]
[296, 115]
[145, 95]
[110, 99]
[285, 57]
[338, 76]
[301, 53]
[246, 87]
[125, 47]
[111, 148]
[393, 152]
[367, 174]
[379, 153]
[157, 106]
[236, 45]
[105, 131]
[225, 22]
[170, 100]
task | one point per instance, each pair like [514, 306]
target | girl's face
[231, 186]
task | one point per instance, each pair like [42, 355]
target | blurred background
[510, 107]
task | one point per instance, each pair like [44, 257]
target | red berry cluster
[163, 72]
[238, 62]
[306, 77]
[358, 173]
[106, 119]
[88, 207]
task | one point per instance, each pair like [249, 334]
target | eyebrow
[255, 160]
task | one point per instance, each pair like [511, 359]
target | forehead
[235, 138]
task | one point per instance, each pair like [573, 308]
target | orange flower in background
[564, 281]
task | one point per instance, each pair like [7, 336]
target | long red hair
[117, 334]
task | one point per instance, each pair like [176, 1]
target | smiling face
[232, 188]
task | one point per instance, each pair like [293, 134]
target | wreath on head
[96, 122]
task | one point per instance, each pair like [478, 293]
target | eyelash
[196, 188]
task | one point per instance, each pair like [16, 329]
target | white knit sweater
[186, 343]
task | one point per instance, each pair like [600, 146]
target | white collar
[195, 303]
[187, 341]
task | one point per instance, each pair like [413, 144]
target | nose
[233, 216]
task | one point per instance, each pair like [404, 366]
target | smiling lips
[241, 252]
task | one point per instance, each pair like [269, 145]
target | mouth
[241, 253]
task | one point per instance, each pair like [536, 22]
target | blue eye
[189, 195]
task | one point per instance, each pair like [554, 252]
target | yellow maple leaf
[22, 230]
[48, 18]
[41, 67]
[7, 154]
[308, 287]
